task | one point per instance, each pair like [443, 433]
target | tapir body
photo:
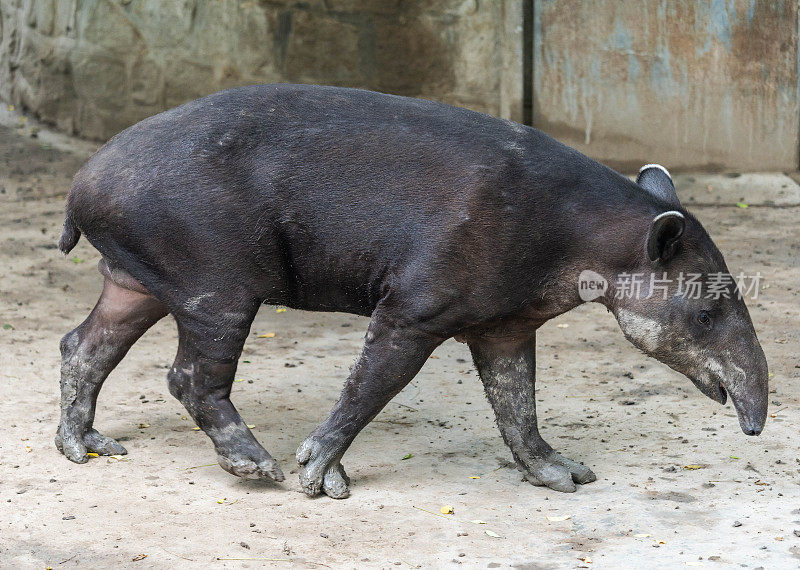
[435, 221]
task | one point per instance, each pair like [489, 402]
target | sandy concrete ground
[635, 422]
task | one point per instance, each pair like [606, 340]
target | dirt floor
[166, 505]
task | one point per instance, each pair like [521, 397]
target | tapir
[434, 221]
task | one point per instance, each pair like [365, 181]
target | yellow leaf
[692, 467]
[475, 477]
[251, 426]
[558, 518]
[281, 310]
[267, 335]
[195, 428]
[144, 426]
[478, 521]
[239, 380]
[447, 510]
[221, 501]
[586, 559]
[28, 448]
[90, 454]
[493, 534]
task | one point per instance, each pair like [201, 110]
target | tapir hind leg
[391, 357]
[507, 367]
[202, 377]
[90, 352]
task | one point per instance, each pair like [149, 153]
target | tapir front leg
[391, 357]
[507, 367]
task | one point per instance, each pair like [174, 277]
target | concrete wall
[693, 84]
[93, 67]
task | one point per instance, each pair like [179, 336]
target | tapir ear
[656, 179]
[665, 233]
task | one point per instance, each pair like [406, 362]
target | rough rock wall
[93, 67]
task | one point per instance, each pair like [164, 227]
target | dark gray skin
[435, 221]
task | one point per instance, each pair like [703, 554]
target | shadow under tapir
[434, 221]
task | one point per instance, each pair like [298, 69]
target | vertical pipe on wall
[527, 62]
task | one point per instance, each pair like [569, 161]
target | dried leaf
[144, 426]
[478, 521]
[474, 477]
[558, 518]
[642, 535]
[493, 534]
[92, 454]
[139, 557]
[692, 467]
[280, 310]
[586, 559]
[195, 428]
[251, 426]
[267, 335]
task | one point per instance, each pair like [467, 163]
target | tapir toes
[580, 473]
[321, 473]
[101, 444]
[550, 475]
[247, 467]
[71, 446]
[558, 473]
[75, 447]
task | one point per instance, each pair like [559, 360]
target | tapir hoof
[75, 447]
[262, 466]
[558, 473]
[320, 473]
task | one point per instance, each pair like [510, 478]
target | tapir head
[687, 311]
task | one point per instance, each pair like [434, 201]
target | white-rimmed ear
[656, 179]
[665, 233]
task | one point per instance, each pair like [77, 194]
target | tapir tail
[69, 236]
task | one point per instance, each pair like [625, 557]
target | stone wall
[93, 67]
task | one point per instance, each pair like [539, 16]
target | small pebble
[737, 523]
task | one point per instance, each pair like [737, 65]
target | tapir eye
[703, 318]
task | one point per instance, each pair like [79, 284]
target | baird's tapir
[434, 221]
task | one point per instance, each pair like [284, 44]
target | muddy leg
[88, 354]
[201, 379]
[507, 367]
[391, 357]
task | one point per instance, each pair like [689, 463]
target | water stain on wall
[695, 84]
